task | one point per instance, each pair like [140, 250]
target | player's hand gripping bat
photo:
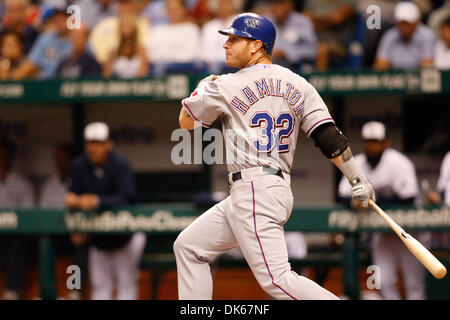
[425, 257]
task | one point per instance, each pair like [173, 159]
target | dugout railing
[163, 222]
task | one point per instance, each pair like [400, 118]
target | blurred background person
[81, 63]
[105, 36]
[438, 16]
[129, 60]
[11, 53]
[393, 177]
[54, 188]
[101, 179]
[93, 11]
[408, 45]
[334, 22]
[442, 49]
[155, 12]
[372, 36]
[296, 41]
[442, 193]
[52, 195]
[174, 46]
[15, 250]
[17, 18]
[441, 196]
[2, 10]
[200, 11]
[49, 50]
[211, 50]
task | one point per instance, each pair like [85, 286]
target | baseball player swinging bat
[425, 257]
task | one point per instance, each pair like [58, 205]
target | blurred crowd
[138, 38]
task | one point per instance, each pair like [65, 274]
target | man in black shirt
[100, 180]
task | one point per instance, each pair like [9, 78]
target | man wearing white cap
[394, 180]
[408, 45]
[100, 180]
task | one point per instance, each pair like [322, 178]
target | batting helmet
[253, 26]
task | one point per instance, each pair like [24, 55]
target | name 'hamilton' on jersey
[261, 108]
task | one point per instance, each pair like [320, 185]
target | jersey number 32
[269, 133]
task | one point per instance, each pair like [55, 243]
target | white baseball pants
[252, 218]
[121, 266]
[389, 254]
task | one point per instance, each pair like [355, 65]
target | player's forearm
[185, 120]
[343, 157]
[362, 190]
[347, 164]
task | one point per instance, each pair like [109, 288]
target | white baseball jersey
[16, 191]
[261, 108]
[394, 175]
[52, 193]
[443, 184]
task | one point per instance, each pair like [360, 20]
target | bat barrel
[422, 254]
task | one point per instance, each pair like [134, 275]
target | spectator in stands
[130, 59]
[334, 24]
[2, 10]
[105, 38]
[296, 41]
[155, 12]
[176, 44]
[372, 36]
[438, 16]
[49, 50]
[211, 50]
[261, 7]
[93, 11]
[11, 53]
[15, 250]
[200, 12]
[80, 63]
[102, 179]
[141, 5]
[408, 45]
[17, 19]
[442, 49]
[394, 180]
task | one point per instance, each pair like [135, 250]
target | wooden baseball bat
[425, 257]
